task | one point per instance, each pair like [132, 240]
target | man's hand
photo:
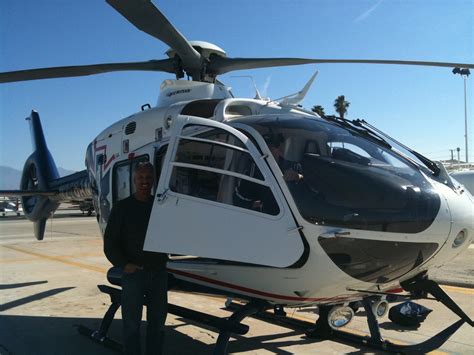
[291, 175]
[131, 268]
[257, 205]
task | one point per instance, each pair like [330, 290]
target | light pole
[464, 72]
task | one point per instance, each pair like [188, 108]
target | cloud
[367, 13]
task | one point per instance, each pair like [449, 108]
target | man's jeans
[153, 285]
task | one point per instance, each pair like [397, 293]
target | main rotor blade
[165, 65]
[147, 18]
[221, 65]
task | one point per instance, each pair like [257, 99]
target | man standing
[144, 273]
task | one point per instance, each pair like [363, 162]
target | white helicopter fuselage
[280, 257]
[320, 280]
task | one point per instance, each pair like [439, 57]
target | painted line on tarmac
[19, 261]
[57, 237]
[47, 235]
[10, 236]
[61, 259]
[54, 221]
[36, 258]
[457, 289]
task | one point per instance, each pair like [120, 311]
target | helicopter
[10, 206]
[362, 218]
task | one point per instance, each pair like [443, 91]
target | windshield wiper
[427, 162]
[359, 129]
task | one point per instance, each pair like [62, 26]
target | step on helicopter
[282, 207]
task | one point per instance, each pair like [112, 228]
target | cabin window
[212, 134]
[201, 108]
[238, 110]
[159, 158]
[217, 156]
[123, 177]
[122, 182]
[216, 166]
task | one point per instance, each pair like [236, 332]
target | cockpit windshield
[340, 177]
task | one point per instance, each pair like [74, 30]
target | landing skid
[225, 326]
[321, 330]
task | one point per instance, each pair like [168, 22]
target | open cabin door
[217, 198]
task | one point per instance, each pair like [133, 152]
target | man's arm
[112, 246]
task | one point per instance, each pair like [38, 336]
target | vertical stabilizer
[38, 173]
[40, 149]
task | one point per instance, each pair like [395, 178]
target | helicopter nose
[461, 207]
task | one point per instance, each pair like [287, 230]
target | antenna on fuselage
[257, 93]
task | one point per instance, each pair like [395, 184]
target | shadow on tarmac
[19, 285]
[57, 335]
[35, 297]
[397, 327]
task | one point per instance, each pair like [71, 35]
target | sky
[422, 107]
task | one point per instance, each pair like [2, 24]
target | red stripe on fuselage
[96, 148]
[104, 148]
[396, 290]
[252, 291]
[112, 158]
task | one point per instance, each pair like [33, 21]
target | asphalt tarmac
[48, 288]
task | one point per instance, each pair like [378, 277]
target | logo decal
[183, 91]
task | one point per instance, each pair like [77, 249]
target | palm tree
[319, 110]
[341, 105]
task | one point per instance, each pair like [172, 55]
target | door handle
[335, 234]
[162, 196]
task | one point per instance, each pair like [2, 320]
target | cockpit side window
[215, 165]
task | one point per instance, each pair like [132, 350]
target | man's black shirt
[125, 234]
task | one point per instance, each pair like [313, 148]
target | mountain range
[10, 177]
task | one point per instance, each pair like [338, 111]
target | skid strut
[375, 340]
[420, 286]
[100, 335]
[249, 309]
[425, 285]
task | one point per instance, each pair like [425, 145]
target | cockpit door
[216, 198]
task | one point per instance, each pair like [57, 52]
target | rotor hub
[206, 49]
